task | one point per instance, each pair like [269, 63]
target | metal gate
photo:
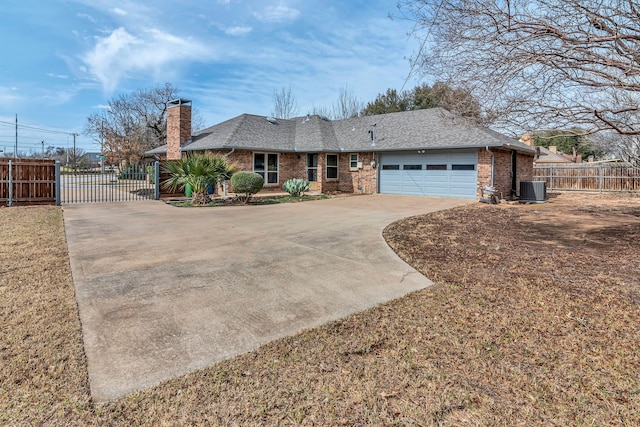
[108, 184]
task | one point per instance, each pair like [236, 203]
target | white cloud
[119, 11]
[8, 94]
[152, 52]
[87, 17]
[238, 31]
[58, 76]
[224, 1]
[277, 14]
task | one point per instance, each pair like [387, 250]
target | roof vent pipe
[493, 160]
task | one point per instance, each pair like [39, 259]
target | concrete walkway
[163, 291]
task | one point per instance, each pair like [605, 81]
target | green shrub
[296, 186]
[151, 173]
[200, 172]
[246, 184]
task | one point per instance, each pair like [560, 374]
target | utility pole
[42, 149]
[15, 152]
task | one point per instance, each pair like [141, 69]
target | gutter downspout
[224, 184]
[493, 160]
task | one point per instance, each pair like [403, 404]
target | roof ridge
[232, 134]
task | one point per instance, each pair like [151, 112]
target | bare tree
[284, 104]
[132, 123]
[321, 111]
[538, 64]
[348, 105]
[73, 156]
[624, 147]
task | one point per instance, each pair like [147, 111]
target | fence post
[550, 177]
[156, 180]
[57, 184]
[10, 201]
[600, 178]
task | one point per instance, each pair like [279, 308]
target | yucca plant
[296, 186]
[200, 171]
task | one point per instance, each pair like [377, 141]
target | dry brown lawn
[534, 320]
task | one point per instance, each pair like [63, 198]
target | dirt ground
[544, 300]
[534, 319]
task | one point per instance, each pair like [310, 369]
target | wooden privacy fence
[589, 177]
[27, 181]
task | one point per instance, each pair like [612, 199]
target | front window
[266, 165]
[353, 161]
[332, 166]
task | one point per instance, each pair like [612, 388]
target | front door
[312, 171]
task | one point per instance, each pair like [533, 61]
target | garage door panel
[461, 178]
[432, 179]
[437, 178]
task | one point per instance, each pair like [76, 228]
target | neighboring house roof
[434, 128]
[547, 156]
[90, 157]
[158, 150]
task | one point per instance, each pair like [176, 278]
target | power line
[416, 59]
[35, 128]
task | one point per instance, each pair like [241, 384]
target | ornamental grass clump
[296, 186]
[246, 184]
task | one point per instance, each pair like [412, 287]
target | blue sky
[63, 59]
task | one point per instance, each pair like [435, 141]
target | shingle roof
[434, 128]
[158, 150]
[547, 156]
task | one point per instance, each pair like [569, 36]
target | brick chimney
[553, 148]
[528, 139]
[178, 126]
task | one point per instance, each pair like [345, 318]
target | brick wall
[290, 165]
[360, 181]
[178, 129]
[502, 170]
[525, 169]
[293, 165]
[484, 169]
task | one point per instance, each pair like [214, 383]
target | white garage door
[437, 173]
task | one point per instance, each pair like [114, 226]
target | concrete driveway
[163, 291]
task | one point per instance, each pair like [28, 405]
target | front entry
[312, 171]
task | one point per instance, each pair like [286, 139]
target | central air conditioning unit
[533, 191]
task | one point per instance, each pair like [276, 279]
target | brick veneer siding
[524, 169]
[290, 165]
[178, 129]
[293, 165]
[357, 181]
[502, 170]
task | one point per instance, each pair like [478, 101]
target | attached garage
[430, 173]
